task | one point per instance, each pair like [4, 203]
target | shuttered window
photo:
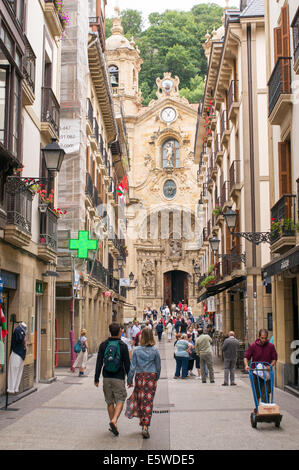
[284, 162]
[282, 36]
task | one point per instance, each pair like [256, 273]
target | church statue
[169, 155]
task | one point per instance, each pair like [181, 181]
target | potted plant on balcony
[208, 281]
[44, 199]
[217, 211]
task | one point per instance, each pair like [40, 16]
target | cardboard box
[268, 409]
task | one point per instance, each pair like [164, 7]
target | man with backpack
[114, 362]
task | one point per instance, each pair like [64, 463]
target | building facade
[92, 133]
[234, 173]
[282, 26]
[30, 90]
[162, 230]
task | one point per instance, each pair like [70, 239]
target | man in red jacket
[261, 351]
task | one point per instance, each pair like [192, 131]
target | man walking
[261, 351]
[203, 350]
[113, 358]
[230, 350]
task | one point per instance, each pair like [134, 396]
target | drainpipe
[252, 166]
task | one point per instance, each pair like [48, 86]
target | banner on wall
[69, 138]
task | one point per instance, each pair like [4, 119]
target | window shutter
[285, 31]
[284, 161]
[278, 52]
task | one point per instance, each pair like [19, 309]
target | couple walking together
[114, 363]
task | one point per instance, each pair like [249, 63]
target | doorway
[295, 374]
[175, 287]
[37, 340]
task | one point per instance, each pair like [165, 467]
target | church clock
[168, 115]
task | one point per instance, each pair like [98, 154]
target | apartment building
[29, 119]
[281, 274]
[88, 291]
[233, 174]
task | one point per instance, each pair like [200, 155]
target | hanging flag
[125, 183]
[3, 323]
[123, 186]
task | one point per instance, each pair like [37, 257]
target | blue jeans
[181, 363]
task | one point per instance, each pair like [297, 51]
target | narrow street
[70, 414]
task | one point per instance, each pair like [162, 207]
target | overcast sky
[149, 6]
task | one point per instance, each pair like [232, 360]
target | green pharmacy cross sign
[83, 245]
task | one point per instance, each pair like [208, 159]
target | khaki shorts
[114, 391]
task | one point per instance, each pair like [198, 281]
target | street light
[230, 217]
[53, 155]
[131, 276]
[214, 243]
[120, 262]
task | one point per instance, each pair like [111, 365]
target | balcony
[89, 118]
[89, 189]
[279, 90]
[47, 248]
[295, 26]
[19, 213]
[233, 100]
[28, 85]
[225, 195]
[53, 21]
[218, 149]
[224, 128]
[50, 119]
[235, 179]
[283, 225]
[98, 272]
[94, 139]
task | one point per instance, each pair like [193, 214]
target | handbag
[77, 348]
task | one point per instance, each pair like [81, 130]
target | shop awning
[283, 263]
[218, 288]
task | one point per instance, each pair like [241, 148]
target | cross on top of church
[83, 244]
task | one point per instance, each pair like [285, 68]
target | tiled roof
[254, 8]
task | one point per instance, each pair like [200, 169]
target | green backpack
[112, 359]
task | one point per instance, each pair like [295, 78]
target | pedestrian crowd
[131, 352]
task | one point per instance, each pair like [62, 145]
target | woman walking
[182, 357]
[146, 364]
[83, 354]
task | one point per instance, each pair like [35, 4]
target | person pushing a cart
[261, 351]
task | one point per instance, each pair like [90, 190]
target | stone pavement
[70, 414]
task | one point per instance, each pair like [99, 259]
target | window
[171, 154]
[16, 115]
[18, 8]
[3, 100]
[114, 76]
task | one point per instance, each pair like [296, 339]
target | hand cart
[261, 381]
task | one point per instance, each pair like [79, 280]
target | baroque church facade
[162, 213]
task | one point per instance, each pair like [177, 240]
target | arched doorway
[175, 287]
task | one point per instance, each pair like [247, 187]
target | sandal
[114, 429]
[145, 432]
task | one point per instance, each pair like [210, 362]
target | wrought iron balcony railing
[90, 112]
[283, 215]
[19, 210]
[29, 65]
[280, 81]
[233, 94]
[50, 108]
[223, 123]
